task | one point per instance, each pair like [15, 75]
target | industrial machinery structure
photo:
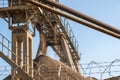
[43, 16]
[53, 32]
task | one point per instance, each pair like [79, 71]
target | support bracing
[23, 41]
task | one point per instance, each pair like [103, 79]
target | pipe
[81, 21]
[81, 15]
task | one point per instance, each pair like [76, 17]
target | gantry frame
[31, 12]
[19, 14]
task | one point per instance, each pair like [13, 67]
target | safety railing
[68, 29]
[5, 70]
[6, 51]
[5, 46]
[70, 32]
[3, 3]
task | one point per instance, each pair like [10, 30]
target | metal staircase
[6, 52]
[56, 30]
[54, 27]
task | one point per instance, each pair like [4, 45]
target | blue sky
[93, 45]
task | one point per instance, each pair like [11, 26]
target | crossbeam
[108, 30]
[81, 15]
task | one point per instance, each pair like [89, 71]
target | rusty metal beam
[81, 15]
[23, 7]
[20, 71]
[77, 19]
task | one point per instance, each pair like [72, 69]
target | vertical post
[69, 60]
[19, 50]
[2, 42]
[22, 40]
[42, 49]
[14, 56]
